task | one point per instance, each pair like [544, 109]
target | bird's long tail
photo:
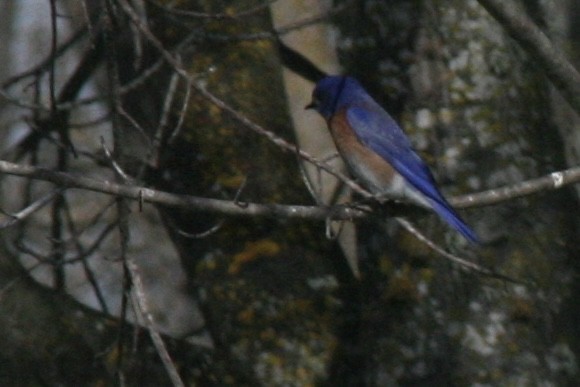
[445, 211]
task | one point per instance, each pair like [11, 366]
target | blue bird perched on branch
[377, 151]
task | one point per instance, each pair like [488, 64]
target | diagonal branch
[197, 86]
[26, 212]
[454, 258]
[557, 67]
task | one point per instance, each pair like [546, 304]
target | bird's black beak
[311, 105]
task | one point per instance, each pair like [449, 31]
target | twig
[203, 234]
[42, 66]
[182, 114]
[553, 181]
[139, 296]
[280, 142]
[557, 66]
[112, 162]
[204, 15]
[89, 273]
[26, 212]
[53, 48]
[147, 318]
[471, 266]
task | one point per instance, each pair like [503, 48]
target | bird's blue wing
[376, 129]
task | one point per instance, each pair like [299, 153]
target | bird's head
[333, 93]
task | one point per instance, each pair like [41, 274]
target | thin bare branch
[554, 62]
[42, 66]
[167, 107]
[280, 142]
[112, 162]
[89, 273]
[470, 266]
[553, 181]
[223, 15]
[217, 206]
[26, 212]
[182, 114]
[204, 234]
[53, 48]
[146, 316]
[142, 307]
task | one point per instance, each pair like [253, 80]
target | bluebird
[376, 150]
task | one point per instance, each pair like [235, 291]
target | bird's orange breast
[375, 173]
